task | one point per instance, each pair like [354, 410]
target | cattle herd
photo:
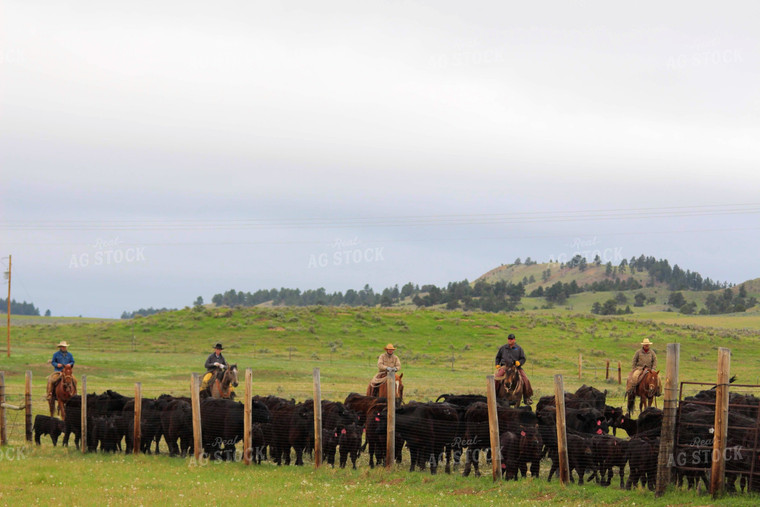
[439, 433]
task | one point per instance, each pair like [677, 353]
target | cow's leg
[467, 462]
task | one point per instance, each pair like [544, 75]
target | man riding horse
[512, 354]
[387, 360]
[644, 359]
[214, 363]
[60, 359]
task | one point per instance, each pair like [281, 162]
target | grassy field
[440, 352]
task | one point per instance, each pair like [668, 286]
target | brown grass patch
[277, 328]
[466, 491]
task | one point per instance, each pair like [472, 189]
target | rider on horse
[60, 359]
[644, 359]
[385, 361]
[215, 361]
[512, 354]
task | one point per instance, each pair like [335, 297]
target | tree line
[20, 308]
[485, 296]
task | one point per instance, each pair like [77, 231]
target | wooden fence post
[247, 426]
[620, 373]
[3, 428]
[83, 415]
[580, 366]
[195, 389]
[721, 423]
[138, 417]
[28, 406]
[493, 426]
[317, 419]
[559, 402]
[607, 371]
[390, 435]
[669, 407]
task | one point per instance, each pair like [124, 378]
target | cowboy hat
[390, 347]
[219, 346]
[63, 344]
[647, 342]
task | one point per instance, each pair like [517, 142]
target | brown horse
[646, 390]
[382, 390]
[221, 383]
[64, 390]
[510, 387]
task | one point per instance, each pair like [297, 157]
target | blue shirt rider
[61, 358]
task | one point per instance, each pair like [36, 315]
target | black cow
[222, 423]
[257, 443]
[335, 417]
[519, 449]
[177, 425]
[350, 441]
[581, 420]
[510, 453]
[477, 431]
[430, 431]
[46, 425]
[650, 421]
[376, 432]
[274, 404]
[292, 426]
[609, 452]
[642, 460]
[592, 396]
[580, 457]
[105, 432]
[150, 421]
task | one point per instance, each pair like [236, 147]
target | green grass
[283, 345]
[46, 475]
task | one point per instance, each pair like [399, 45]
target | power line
[387, 221]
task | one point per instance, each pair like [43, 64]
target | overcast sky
[153, 152]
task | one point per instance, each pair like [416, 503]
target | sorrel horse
[510, 387]
[221, 383]
[646, 390]
[64, 390]
[382, 390]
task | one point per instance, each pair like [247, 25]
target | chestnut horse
[646, 390]
[64, 390]
[510, 387]
[220, 382]
[382, 390]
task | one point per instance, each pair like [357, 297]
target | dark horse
[382, 390]
[510, 387]
[646, 390]
[221, 383]
[64, 390]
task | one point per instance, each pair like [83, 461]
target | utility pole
[9, 306]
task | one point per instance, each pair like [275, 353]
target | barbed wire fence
[691, 439]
